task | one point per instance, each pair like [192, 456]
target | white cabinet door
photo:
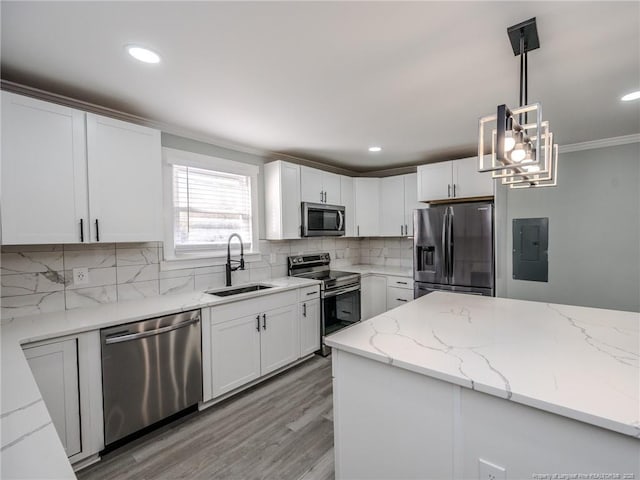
[435, 181]
[44, 187]
[311, 189]
[235, 353]
[392, 219]
[468, 181]
[125, 181]
[309, 327]
[347, 198]
[55, 369]
[367, 195]
[282, 200]
[410, 201]
[331, 187]
[373, 295]
[279, 338]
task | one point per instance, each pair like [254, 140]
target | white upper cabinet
[57, 162]
[453, 179]
[44, 181]
[318, 186]
[410, 201]
[348, 200]
[125, 180]
[434, 181]
[392, 218]
[367, 197]
[282, 200]
[469, 181]
[398, 200]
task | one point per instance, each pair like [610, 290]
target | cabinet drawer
[241, 308]
[398, 296]
[309, 293]
[400, 282]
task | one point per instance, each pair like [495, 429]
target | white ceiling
[325, 80]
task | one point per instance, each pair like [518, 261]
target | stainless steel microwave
[321, 220]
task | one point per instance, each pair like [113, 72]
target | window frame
[198, 256]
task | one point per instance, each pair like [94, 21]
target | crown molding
[602, 143]
[127, 117]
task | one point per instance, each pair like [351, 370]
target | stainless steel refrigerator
[453, 249]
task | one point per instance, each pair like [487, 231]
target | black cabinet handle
[97, 231]
[454, 189]
[401, 299]
[304, 309]
[311, 293]
[258, 322]
[401, 283]
[264, 321]
[449, 190]
[81, 230]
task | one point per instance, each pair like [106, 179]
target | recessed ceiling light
[375, 149]
[631, 96]
[143, 54]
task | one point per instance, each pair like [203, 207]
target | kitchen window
[208, 199]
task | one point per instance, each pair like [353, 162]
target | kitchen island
[450, 384]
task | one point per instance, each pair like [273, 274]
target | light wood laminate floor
[281, 429]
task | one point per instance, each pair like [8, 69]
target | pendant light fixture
[523, 154]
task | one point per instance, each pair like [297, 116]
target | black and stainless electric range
[339, 292]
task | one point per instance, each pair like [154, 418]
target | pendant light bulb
[509, 141]
[518, 154]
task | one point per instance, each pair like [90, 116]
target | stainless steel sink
[237, 291]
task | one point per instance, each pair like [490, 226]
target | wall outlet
[490, 471]
[81, 276]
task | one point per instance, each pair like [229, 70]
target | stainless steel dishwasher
[150, 370]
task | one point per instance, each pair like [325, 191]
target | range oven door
[319, 219]
[340, 308]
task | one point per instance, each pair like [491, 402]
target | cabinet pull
[325, 197]
[406, 229]
[358, 230]
[321, 192]
[258, 322]
[311, 293]
[401, 299]
[264, 321]
[401, 283]
[81, 230]
[454, 189]
[449, 190]
[304, 309]
[97, 231]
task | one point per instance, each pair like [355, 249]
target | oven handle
[149, 333]
[335, 293]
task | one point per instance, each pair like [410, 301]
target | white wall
[594, 231]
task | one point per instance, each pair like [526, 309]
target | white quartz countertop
[378, 269]
[582, 363]
[30, 446]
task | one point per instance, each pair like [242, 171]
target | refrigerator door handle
[450, 245]
[445, 266]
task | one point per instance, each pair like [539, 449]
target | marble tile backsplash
[39, 278]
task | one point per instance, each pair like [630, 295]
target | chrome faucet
[228, 266]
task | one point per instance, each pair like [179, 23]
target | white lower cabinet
[68, 371]
[252, 338]
[373, 294]
[399, 291]
[55, 369]
[235, 353]
[309, 327]
[279, 338]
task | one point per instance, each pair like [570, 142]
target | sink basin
[237, 291]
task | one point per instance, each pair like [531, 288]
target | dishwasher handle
[149, 333]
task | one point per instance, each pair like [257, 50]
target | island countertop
[578, 362]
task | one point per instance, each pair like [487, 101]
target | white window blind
[208, 207]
